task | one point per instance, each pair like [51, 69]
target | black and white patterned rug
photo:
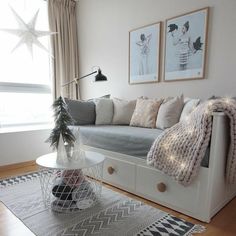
[114, 214]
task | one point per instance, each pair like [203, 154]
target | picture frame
[144, 54]
[186, 46]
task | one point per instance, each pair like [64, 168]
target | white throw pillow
[123, 111]
[104, 111]
[169, 112]
[189, 106]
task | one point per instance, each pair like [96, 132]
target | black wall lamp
[98, 78]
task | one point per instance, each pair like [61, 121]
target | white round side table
[73, 186]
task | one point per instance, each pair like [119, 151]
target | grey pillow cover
[83, 112]
[123, 111]
[104, 111]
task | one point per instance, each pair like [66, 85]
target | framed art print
[185, 46]
[144, 49]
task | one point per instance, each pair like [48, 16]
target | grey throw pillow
[169, 112]
[82, 112]
[123, 111]
[104, 111]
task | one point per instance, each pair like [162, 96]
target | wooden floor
[223, 224]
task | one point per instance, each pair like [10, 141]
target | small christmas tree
[62, 119]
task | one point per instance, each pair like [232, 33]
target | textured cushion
[104, 111]
[123, 111]
[82, 112]
[188, 108]
[145, 113]
[169, 112]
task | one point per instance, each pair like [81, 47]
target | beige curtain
[63, 20]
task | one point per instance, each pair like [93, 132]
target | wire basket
[71, 190]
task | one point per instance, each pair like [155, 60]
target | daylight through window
[25, 79]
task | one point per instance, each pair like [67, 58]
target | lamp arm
[86, 75]
[76, 79]
[72, 81]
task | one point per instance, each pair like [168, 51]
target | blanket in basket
[179, 150]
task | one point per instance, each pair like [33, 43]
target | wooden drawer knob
[110, 170]
[161, 187]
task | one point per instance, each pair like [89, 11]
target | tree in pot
[61, 137]
[63, 140]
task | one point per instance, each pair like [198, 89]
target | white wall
[103, 40]
[23, 146]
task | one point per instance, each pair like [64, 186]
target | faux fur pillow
[145, 113]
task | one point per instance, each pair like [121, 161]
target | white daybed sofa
[201, 200]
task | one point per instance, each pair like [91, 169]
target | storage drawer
[159, 187]
[120, 173]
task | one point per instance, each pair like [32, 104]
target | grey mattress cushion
[134, 141]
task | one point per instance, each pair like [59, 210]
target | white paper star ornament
[27, 33]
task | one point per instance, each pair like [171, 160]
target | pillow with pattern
[145, 113]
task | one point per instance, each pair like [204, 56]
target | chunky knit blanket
[179, 150]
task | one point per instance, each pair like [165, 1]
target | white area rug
[113, 215]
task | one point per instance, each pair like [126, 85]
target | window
[25, 80]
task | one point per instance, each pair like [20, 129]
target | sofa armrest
[220, 139]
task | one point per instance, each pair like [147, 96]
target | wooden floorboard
[223, 224]
[10, 225]
[17, 166]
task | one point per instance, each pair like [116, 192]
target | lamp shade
[100, 76]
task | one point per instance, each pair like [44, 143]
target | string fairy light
[173, 137]
[190, 131]
[167, 144]
[182, 165]
[172, 157]
[174, 162]
[228, 100]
